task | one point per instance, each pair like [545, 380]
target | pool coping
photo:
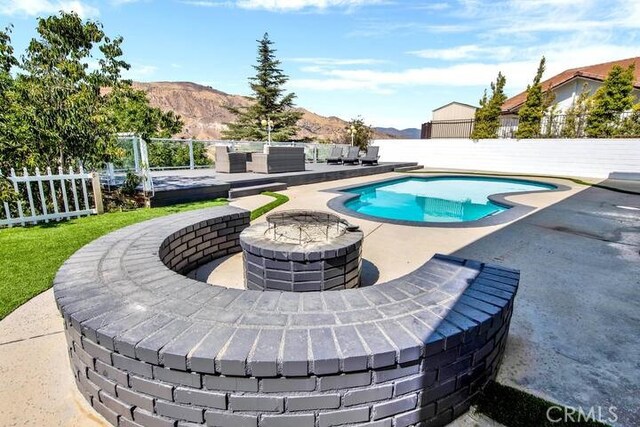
[514, 210]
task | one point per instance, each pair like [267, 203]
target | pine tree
[614, 97]
[271, 102]
[531, 113]
[575, 116]
[487, 117]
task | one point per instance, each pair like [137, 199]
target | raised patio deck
[181, 186]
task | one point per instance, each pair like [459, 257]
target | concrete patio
[573, 335]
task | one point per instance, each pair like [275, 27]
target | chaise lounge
[371, 158]
[335, 157]
[352, 156]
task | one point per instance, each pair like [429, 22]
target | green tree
[54, 108]
[271, 102]
[16, 145]
[363, 133]
[531, 113]
[576, 115]
[130, 111]
[630, 125]
[487, 117]
[70, 124]
[614, 97]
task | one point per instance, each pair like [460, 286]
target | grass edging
[279, 200]
[30, 256]
[574, 180]
[516, 408]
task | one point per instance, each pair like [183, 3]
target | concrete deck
[389, 250]
[574, 330]
[576, 323]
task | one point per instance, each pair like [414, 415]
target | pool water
[437, 199]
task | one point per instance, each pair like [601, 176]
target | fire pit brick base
[149, 346]
[297, 268]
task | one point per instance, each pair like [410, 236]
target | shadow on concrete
[574, 332]
[369, 274]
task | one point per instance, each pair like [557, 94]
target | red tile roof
[593, 72]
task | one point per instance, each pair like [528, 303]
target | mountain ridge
[202, 108]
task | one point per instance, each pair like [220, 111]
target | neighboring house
[453, 120]
[568, 85]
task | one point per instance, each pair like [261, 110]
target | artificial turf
[31, 256]
[515, 408]
[279, 199]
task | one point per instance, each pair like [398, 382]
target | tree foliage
[630, 125]
[271, 102]
[130, 112]
[610, 100]
[168, 154]
[531, 113]
[363, 133]
[57, 109]
[576, 115]
[487, 117]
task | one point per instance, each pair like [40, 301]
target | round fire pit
[302, 251]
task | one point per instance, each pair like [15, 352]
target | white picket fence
[75, 201]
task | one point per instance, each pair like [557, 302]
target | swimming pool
[450, 199]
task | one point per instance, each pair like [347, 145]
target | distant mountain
[203, 111]
[409, 133]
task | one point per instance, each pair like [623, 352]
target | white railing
[51, 197]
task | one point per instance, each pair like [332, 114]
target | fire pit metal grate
[300, 227]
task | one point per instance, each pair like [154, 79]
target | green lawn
[31, 256]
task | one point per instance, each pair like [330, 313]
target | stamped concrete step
[256, 189]
[408, 168]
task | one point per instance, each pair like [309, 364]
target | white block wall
[596, 158]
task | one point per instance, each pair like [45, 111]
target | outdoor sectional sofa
[278, 159]
[149, 346]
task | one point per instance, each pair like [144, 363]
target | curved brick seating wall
[149, 346]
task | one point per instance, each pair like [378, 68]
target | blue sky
[391, 62]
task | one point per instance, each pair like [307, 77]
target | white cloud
[46, 7]
[378, 28]
[464, 52]
[285, 5]
[336, 62]
[140, 72]
[468, 74]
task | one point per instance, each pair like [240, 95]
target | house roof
[593, 72]
[456, 102]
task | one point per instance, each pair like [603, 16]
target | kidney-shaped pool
[447, 199]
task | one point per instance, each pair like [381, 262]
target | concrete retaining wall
[595, 158]
[150, 347]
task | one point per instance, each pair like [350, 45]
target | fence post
[191, 161]
[97, 192]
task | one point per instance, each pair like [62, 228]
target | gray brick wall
[150, 347]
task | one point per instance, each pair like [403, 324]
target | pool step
[234, 193]
[408, 168]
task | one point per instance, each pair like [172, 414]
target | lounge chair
[230, 162]
[352, 156]
[371, 158]
[335, 156]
